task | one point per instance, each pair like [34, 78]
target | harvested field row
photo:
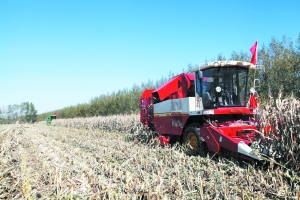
[120, 123]
[47, 162]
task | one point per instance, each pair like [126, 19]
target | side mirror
[256, 83]
[199, 74]
[265, 76]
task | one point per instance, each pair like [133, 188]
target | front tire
[193, 142]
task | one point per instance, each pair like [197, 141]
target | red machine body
[209, 108]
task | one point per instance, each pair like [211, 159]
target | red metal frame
[146, 107]
[175, 88]
[233, 110]
[227, 136]
[172, 125]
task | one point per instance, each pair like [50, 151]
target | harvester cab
[222, 86]
[211, 109]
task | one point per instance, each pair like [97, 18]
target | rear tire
[193, 142]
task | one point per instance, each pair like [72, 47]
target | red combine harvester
[212, 109]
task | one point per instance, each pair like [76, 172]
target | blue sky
[61, 53]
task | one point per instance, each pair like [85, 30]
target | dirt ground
[45, 162]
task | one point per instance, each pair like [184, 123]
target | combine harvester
[50, 118]
[211, 109]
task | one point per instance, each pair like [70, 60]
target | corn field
[117, 158]
[117, 123]
[47, 162]
[280, 121]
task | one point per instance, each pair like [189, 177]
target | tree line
[120, 102]
[24, 113]
[280, 61]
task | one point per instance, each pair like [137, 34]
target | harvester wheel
[193, 141]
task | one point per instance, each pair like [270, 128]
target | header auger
[210, 109]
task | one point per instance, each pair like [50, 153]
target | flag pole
[256, 51]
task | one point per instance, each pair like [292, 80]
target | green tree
[30, 113]
[242, 56]
[221, 57]
[281, 61]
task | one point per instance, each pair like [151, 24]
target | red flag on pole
[253, 102]
[253, 51]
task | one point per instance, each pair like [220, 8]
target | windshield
[223, 86]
